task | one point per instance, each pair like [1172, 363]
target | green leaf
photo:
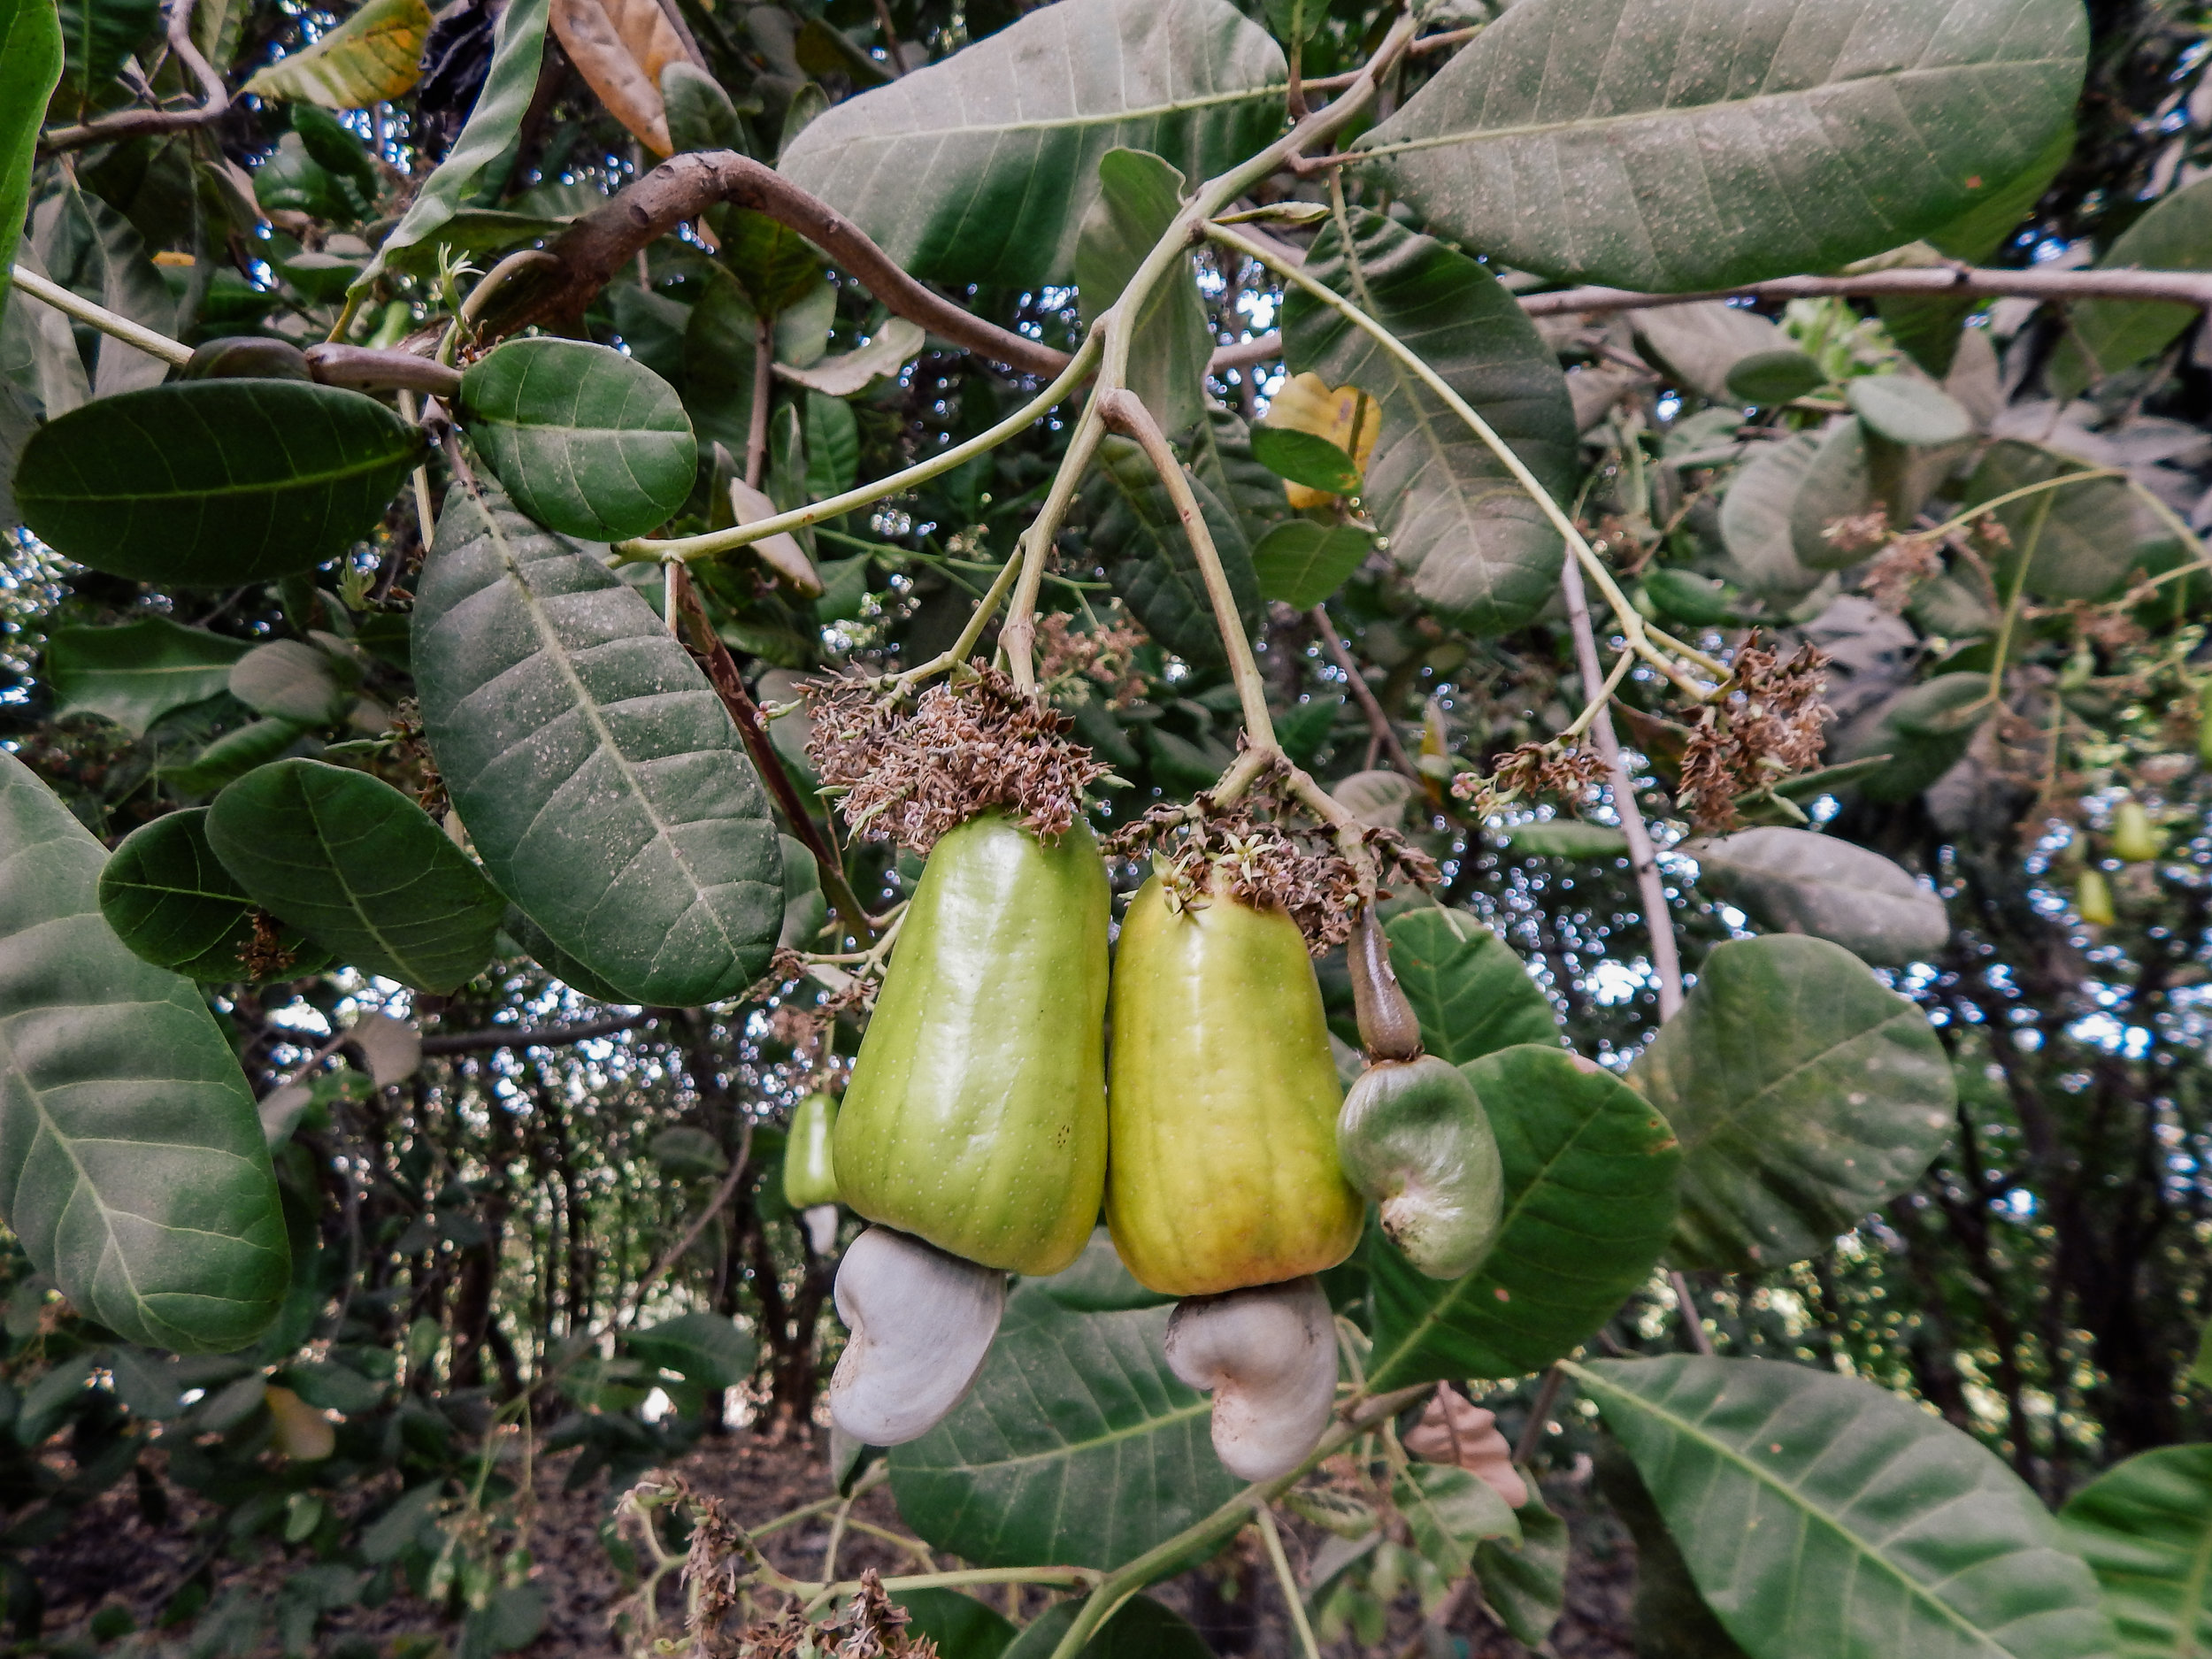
[1925, 729]
[1825, 1517]
[132, 1162]
[1138, 537]
[517, 48]
[1590, 1173]
[2108, 335]
[89, 247]
[1838, 484]
[2145, 1530]
[290, 680]
[1077, 1444]
[1478, 552]
[1702, 344]
[833, 447]
[135, 673]
[1672, 1619]
[892, 347]
[1142, 1629]
[1218, 450]
[2200, 1373]
[1906, 411]
[2078, 540]
[359, 869]
[980, 168]
[701, 114]
[172, 901]
[1302, 563]
[959, 1624]
[97, 36]
[587, 441]
[1755, 514]
[1472, 993]
[1527, 1587]
[1139, 195]
[1567, 838]
[30, 65]
[1774, 377]
[1305, 458]
[603, 784]
[1805, 1092]
[1673, 145]
[211, 483]
[1449, 1512]
[532, 940]
[233, 755]
[374, 54]
[705, 1349]
[1794, 881]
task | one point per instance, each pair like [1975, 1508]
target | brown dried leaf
[1455, 1430]
[620, 47]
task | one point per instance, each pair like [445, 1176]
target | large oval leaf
[981, 169]
[359, 869]
[132, 1162]
[1805, 1092]
[1138, 196]
[1673, 144]
[1471, 992]
[171, 901]
[30, 64]
[1590, 1172]
[2146, 1529]
[603, 784]
[1825, 1517]
[1142, 1629]
[1077, 1444]
[1756, 514]
[207, 483]
[135, 673]
[2078, 539]
[587, 441]
[376, 53]
[2105, 336]
[1795, 881]
[1479, 551]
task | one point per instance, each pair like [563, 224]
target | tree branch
[595, 247]
[1658, 918]
[1378, 721]
[214, 95]
[745, 714]
[2182, 287]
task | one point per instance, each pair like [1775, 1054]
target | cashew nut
[1267, 1355]
[922, 1321]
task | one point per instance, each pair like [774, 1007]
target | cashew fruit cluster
[985, 1126]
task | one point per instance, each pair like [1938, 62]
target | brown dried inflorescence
[265, 955]
[1901, 567]
[1105, 656]
[1765, 726]
[1274, 862]
[1566, 772]
[1861, 532]
[870, 1627]
[967, 748]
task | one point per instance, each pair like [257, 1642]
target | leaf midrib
[1598, 123]
[1150, 1425]
[1720, 1450]
[266, 487]
[1726, 1120]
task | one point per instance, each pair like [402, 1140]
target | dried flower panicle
[1859, 533]
[965, 749]
[1765, 726]
[1899, 569]
[1104, 656]
[1567, 773]
[265, 956]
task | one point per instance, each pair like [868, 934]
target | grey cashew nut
[1267, 1355]
[922, 1321]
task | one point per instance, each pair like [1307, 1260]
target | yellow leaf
[1346, 416]
[376, 53]
[302, 1433]
[620, 47]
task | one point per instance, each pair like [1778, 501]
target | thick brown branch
[602, 242]
[2184, 287]
[214, 95]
